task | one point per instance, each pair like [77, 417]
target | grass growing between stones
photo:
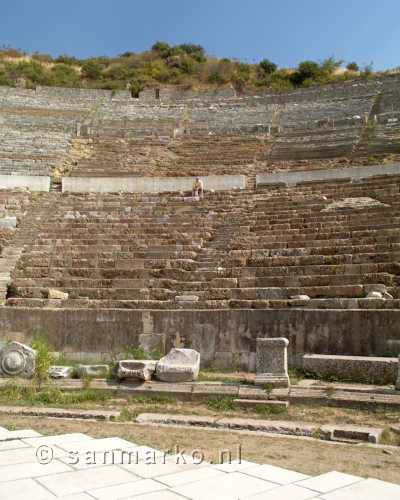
[31, 395]
[153, 399]
[214, 406]
[216, 403]
[210, 375]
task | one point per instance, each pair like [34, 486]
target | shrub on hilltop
[184, 64]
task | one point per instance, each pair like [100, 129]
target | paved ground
[78, 467]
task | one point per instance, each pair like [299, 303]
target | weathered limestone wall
[354, 173]
[224, 338]
[148, 184]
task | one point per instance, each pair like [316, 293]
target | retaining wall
[32, 182]
[353, 173]
[224, 338]
[149, 184]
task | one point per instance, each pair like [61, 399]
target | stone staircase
[8, 259]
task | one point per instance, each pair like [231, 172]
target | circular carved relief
[13, 363]
[17, 360]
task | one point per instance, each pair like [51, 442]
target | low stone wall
[149, 184]
[367, 369]
[225, 338]
[353, 173]
[32, 182]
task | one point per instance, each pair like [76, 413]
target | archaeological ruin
[135, 304]
[103, 246]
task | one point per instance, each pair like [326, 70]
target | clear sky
[285, 31]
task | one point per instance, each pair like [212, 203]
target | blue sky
[285, 31]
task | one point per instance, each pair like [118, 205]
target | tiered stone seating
[321, 129]
[384, 127]
[36, 128]
[30, 152]
[152, 157]
[35, 132]
[231, 250]
[294, 246]
[112, 251]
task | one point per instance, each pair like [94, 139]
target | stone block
[365, 369]
[271, 362]
[258, 403]
[187, 298]
[17, 360]
[136, 369]
[179, 365]
[369, 489]
[61, 371]
[299, 297]
[73, 482]
[329, 482]
[398, 377]
[57, 294]
[233, 485]
[95, 371]
[8, 222]
[353, 432]
[276, 474]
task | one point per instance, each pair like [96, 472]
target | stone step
[273, 405]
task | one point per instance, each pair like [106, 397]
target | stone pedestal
[398, 378]
[271, 362]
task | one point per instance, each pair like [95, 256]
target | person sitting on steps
[198, 188]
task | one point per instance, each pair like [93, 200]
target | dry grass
[307, 456]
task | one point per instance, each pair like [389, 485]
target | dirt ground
[307, 456]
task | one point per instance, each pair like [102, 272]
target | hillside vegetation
[185, 64]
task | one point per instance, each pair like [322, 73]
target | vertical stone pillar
[398, 377]
[271, 362]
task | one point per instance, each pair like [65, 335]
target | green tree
[197, 52]
[307, 71]
[92, 70]
[44, 359]
[162, 48]
[353, 66]
[64, 75]
[267, 66]
[118, 71]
